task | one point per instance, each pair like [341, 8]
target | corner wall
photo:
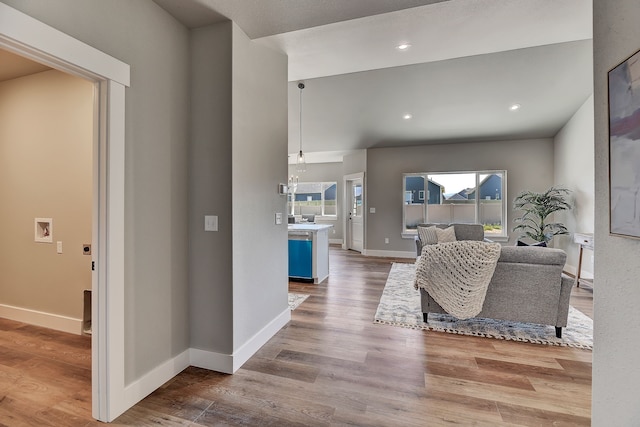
[616, 36]
[238, 280]
[259, 163]
[46, 170]
[210, 190]
[574, 169]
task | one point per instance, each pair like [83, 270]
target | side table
[585, 241]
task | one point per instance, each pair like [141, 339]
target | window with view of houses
[313, 198]
[455, 197]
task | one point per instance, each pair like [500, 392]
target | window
[463, 197]
[313, 198]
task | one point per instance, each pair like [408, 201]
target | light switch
[210, 223]
[59, 246]
[372, 210]
[278, 218]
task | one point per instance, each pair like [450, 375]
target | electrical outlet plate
[210, 223]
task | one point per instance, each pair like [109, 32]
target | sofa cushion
[427, 235]
[463, 231]
[446, 235]
[469, 231]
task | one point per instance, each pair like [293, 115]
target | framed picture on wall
[624, 147]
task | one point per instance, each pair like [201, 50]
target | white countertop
[309, 227]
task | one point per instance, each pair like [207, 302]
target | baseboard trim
[211, 360]
[249, 348]
[147, 384]
[335, 241]
[42, 319]
[230, 363]
[389, 254]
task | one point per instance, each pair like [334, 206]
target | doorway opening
[29, 38]
[354, 212]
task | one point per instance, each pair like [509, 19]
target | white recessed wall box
[43, 230]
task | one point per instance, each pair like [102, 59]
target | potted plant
[537, 207]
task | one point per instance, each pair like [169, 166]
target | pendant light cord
[300, 86]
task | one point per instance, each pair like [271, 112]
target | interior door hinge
[93, 265]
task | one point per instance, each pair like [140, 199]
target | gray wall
[616, 36]
[259, 154]
[573, 160]
[355, 162]
[210, 189]
[238, 156]
[529, 166]
[156, 271]
[326, 172]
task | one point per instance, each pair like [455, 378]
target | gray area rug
[400, 306]
[296, 299]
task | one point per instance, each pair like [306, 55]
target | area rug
[296, 299]
[400, 306]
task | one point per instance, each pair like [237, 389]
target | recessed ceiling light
[514, 107]
[407, 116]
[403, 46]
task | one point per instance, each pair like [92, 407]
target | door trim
[26, 36]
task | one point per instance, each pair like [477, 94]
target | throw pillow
[446, 235]
[428, 235]
[541, 244]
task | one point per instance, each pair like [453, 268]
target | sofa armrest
[418, 246]
[565, 297]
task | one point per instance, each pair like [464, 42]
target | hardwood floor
[331, 365]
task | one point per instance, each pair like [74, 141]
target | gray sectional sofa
[527, 284]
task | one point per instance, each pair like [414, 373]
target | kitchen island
[309, 251]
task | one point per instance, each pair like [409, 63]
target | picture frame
[624, 147]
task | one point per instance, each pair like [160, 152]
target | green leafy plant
[537, 207]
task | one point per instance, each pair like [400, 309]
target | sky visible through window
[454, 182]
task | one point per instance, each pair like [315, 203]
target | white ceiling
[469, 60]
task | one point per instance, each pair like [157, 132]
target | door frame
[26, 36]
[347, 179]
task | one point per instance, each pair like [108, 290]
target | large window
[313, 198]
[462, 197]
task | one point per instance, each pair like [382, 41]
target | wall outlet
[59, 247]
[386, 240]
[372, 210]
[278, 218]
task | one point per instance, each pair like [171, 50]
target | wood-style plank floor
[331, 365]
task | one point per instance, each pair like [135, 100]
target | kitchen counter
[309, 251]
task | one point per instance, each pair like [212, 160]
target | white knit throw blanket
[457, 274]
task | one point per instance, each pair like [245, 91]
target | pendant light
[301, 165]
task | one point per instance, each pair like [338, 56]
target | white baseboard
[211, 360]
[390, 254]
[42, 319]
[248, 349]
[335, 241]
[147, 384]
[229, 363]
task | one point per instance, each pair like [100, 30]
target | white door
[355, 219]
